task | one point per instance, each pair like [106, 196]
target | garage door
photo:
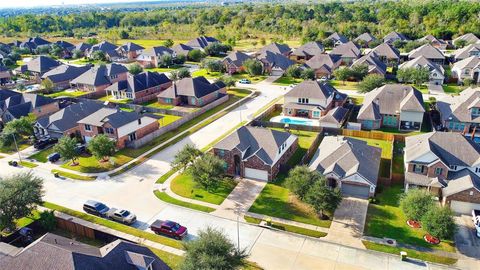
[276, 72]
[256, 174]
[463, 207]
[355, 191]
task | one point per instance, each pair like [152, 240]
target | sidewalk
[288, 222]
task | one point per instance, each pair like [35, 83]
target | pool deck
[295, 120]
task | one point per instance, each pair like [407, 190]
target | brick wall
[140, 133]
[150, 93]
[46, 109]
[431, 170]
[464, 196]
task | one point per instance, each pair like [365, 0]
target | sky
[32, 3]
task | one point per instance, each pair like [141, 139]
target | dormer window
[303, 100]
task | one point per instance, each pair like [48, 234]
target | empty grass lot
[184, 186]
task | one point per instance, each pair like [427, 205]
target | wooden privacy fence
[368, 134]
[75, 228]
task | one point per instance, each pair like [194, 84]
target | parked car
[42, 143]
[80, 148]
[476, 220]
[54, 157]
[122, 216]
[244, 81]
[95, 208]
[169, 228]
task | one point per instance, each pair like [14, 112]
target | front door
[236, 161]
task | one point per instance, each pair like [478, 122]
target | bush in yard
[300, 179]
[308, 74]
[47, 85]
[165, 60]
[186, 156]
[135, 69]
[253, 67]
[212, 65]
[66, 147]
[101, 147]
[323, 198]
[195, 55]
[168, 43]
[358, 72]
[47, 220]
[207, 171]
[371, 82]
[460, 43]
[212, 250]
[180, 59]
[229, 81]
[77, 54]
[217, 49]
[415, 203]
[180, 74]
[98, 56]
[294, 72]
[467, 82]
[438, 221]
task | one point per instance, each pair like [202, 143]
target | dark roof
[157, 51]
[40, 64]
[140, 82]
[22, 105]
[103, 46]
[236, 58]
[375, 65]
[309, 49]
[99, 75]
[64, 44]
[65, 73]
[427, 51]
[275, 48]
[115, 117]
[191, 87]
[131, 47]
[83, 46]
[38, 41]
[275, 60]
[181, 49]
[5, 93]
[202, 42]
[336, 37]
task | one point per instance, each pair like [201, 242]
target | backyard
[66, 93]
[157, 105]
[344, 85]
[453, 88]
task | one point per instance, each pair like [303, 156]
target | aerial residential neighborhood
[246, 135]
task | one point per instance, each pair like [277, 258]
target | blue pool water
[295, 121]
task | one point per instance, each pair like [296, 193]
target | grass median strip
[289, 228]
[28, 164]
[116, 226]
[166, 198]
[424, 256]
[74, 176]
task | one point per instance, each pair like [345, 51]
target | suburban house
[274, 64]
[437, 73]
[5, 75]
[38, 66]
[468, 37]
[394, 36]
[202, 42]
[387, 54]
[307, 51]
[130, 50]
[22, 104]
[337, 39]
[435, 42]
[256, 152]
[467, 68]
[64, 122]
[98, 78]
[448, 165]
[394, 106]
[196, 92]
[121, 126]
[150, 57]
[365, 39]
[275, 47]
[106, 47]
[467, 51]
[373, 62]
[324, 64]
[428, 51]
[233, 62]
[57, 252]
[83, 48]
[348, 164]
[32, 43]
[348, 52]
[182, 49]
[66, 46]
[62, 75]
[461, 113]
[139, 88]
[334, 118]
[312, 99]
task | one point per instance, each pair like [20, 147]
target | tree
[7, 62]
[123, 34]
[300, 179]
[216, 49]
[195, 55]
[371, 82]
[438, 221]
[253, 67]
[398, 43]
[19, 196]
[180, 59]
[229, 81]
[56, 50]
[92, 41]
[47, 85]
[101, 147]
[293, 71]
[165, 60]
[212, 250]
[323, 198]
[460, 43]
[207, 171]
[47, 220]
[405, 75]
[328, 43]
[186, 156]
[77, 54]
[358, 72]
[168, 43]
[67, 148]
[415, 203]
[212, 65]
[342, 74]
[308, 74]
[98, 56]
[468, 81]
[22, 127]
[180, 74]
[135, 69]
[421, 75]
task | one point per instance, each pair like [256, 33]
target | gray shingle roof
[467, 51]
[236, 58]
[22, 105]
[335, 116]
[202, 42]
[460, 181]
[469, 38]
[131, 47]
[421, 61]
[470, 62]
[181, 49]
[64, 73]
[348, 49]
[97, 76]
[388, 51]
[40, 64]
[275, 60]
[329, 61]
[191, 87]
[157, 51]
[367, 37]
[64, 44]
[336, 37]
[275, 48]
[83, 46]
[427, 51]
[115, 117]
[38, 41]
[392, 36]
[140, 82]
[457, 108]
[103, 46]
[375, 65]
[309, 49]
[316, 90]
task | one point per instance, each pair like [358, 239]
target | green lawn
[453, 88]
[253, 79]
[149, 43]
[28, 164]
[184, 186]
[386, 219]
[11, 149]
[205, 73]
[172, 260]
[346, 85]
[357, 100]
[398, 166]
[22, 222]
[74, 176]
[42, 155]
[160, 69]
[114, 100]
[155, 104]
[67, 93]
[166, 198]
[167, 119]
[286, 81]
[289, 228]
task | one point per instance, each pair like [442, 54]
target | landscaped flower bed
[431, 239]
[414, 224]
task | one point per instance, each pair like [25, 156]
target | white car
[476, 220]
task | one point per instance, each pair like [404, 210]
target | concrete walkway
[288, 222]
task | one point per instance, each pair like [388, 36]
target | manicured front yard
[289, 228]
[11, 149]
[166, 198]
[386, 219]
[205, 73]
[253, 79]
[67, 93]
[286, 81]
[184, 186]
[345, 85]
[42, 155]
[453, 88]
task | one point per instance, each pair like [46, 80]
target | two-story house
[16, 105]
[130, 51]
[448, 165]
[461, 113]
[348, 52]
[151, 57]
[98, 78]
[467, 51]
[233, 62]
[394, 106]
[436, 71]
[429, 52]
[35, 68]
[468, 68]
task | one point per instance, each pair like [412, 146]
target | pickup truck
[169, 228]
[122, 216]
[476, 220]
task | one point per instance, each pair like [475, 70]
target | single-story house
[274, 64]
[435, 42]
[437, 73]
[150, 57]
[467, 68]
[202, 42]
[233, 62]
[337, 39]
[307, 51]
[467, 51]
[393, 36]
[38, 66]
[97, 78]
[22, 104]
[62, 75]
[130, 50]
[387, 54]
[428, 51]
[461, 113]
[348, 52]
[139, 88]
[373, 62]
[335, 118]
[256, 152]
[365, 38]
[348, 164]
[324, 64]
[275, 47]
[469, 38]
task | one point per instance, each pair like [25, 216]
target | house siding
[463, 196]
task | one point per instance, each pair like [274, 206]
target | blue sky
[32, 3]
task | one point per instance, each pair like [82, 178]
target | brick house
[130, 51]
[62, 75]
[150, 57]
[38, 66]
[233, 62]
[307, 51]
[461, 113]
[17, 105]
[348, 52]
[118, 125]
[255, 152]
[98, 78]
[140, 88]
[448, 165]
[192, 92]
[429, 52]
[323, 64]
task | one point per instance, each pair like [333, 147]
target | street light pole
[16, 147]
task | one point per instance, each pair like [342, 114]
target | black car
[42, 143]
[95, 208]
[54, 157]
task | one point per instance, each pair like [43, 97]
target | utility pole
[16, 147]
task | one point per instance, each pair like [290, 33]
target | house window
[132, 136]
[192, 100]
[168, 100]
[316, 114]
[475, 111]
[88, 128]
[438, 171]
[109, 130]
[221, 152]
[453, 167]
[418, 168]
[140, 121]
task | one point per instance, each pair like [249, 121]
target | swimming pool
[295, 120]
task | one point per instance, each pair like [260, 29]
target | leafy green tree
[77, 54]
[135, 69]
[358, 72]
[216, 49]
[208, 171]
[328, 43]
[371, 82]
[229, 81]
[101, 147]
[421, 75]
[56, 50]
[180, 74]
[411, 45]
[165, 60]
[308, 74]
[415, 203]
[399, 44]
[439, 222]
[300, 179]
[342, 74]
[20, 194]
[460, 43]
[293, 71]
[22, 127]
[212, 250]
[123, 34]
[98, 56]
[212, 65]
[67, 148]
[47, 85]
[180, 59]
[92, 41]
[47, 220]
[468, 81]
[185, 157]
[195, 55]
[168, 43]
[323, 198]
[7, 62]
[253, 67]
[42, 50]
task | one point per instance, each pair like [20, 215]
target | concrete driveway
[348, 222]
[468, 244]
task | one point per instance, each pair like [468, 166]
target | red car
[169, 228]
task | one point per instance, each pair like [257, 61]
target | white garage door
[463, 207]
[256, 174]
[276, 72]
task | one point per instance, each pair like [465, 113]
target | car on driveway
[95, 208]
[42, 143]
[245, 81]
[169, 228]
[54, 157]
[122, 216]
